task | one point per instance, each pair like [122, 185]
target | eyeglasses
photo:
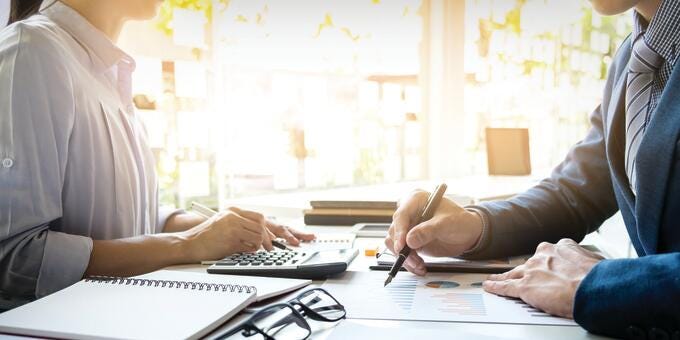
[288, 320]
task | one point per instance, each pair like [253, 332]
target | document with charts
[435, 297]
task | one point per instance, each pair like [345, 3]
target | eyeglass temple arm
[246, 326]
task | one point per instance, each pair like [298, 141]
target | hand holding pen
[428, 211]
[451, 231]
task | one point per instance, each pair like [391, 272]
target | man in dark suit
[628, 161]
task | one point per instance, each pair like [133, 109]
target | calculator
[296, 264]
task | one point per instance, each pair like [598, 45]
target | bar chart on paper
[436, 297]
[401, 294]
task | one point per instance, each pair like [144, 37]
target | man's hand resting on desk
[451, 231]
[548, 280]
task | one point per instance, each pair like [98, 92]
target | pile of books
[349, 212]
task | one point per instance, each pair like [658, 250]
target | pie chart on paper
[442, 284]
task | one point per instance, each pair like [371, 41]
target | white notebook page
[89, 310]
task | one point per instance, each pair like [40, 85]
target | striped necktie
[643, 65]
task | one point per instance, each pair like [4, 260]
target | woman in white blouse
[78, 192]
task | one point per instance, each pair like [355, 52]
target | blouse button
[7, 163]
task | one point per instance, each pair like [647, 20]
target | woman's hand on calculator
[291, 235]
[275, 230]
[235, 230]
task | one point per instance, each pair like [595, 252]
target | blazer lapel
[654, 162]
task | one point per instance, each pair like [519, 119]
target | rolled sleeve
[64, 262]
[40, 261]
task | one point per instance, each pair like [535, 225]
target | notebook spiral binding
[128, 281]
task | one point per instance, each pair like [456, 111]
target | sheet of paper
[362, 329]
[435, 297]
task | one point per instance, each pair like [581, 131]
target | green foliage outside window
[206, 6]
[165, 17]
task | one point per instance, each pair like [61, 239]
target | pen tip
[389, 279]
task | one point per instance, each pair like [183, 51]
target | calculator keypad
[262, 259]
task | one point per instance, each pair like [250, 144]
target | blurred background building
[244, 97]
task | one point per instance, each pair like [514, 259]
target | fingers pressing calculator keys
[292, 264]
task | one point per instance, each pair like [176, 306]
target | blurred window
[245, 97]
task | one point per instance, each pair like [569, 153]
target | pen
[207, 213]
[430, 207]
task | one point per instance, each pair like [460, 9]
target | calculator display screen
[330, 256]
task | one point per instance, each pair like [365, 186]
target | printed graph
[531, 310]
[442, 284]
[464, 304]
[436, 297]
[402, 292]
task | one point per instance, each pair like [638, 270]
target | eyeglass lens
[281, 322]
[322, 304]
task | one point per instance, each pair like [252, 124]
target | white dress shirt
[74, 160]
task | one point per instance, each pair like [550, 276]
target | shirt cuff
[164, 213]
[484, 237]
[64, 262]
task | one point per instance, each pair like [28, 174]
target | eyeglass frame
[249, 326]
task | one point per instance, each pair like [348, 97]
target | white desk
[449, 330]
[289, 207]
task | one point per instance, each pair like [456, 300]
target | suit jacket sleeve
[571, 203]
[625, 297]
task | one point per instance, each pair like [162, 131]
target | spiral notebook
[131, 308]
